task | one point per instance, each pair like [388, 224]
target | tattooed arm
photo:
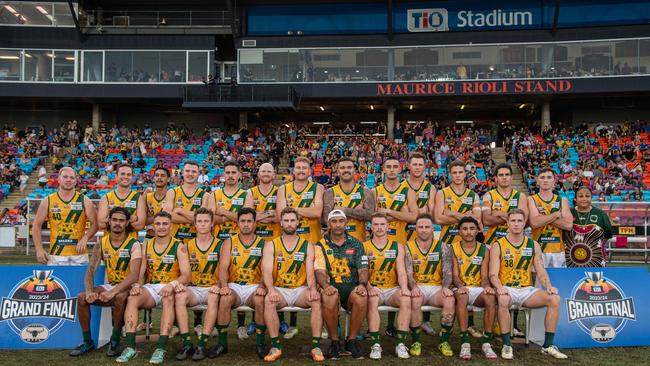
[363, 212]
[89, 277]
[447, 267]
[328, 205]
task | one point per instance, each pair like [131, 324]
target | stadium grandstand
[95, 85]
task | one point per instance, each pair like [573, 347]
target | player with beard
[124, 196]
[396, 200]
[227, 201]
[156, 198]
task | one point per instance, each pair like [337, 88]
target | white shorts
[243, 291]
[153, 289]
[428, 292]
[291, 295]
[520, 295]
[386, 293]
[68, 260]
[200, 294]
[473, 293]
[107, 287]
[554, 260]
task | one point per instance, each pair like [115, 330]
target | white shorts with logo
[554, 260]
[200, 294]
[291, 295]
[473, 292]
[68, 260]
[153, 289]
[428, 292]
[243, 291]
[386, 293]
[520, 295]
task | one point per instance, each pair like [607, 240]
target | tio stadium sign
[437, 19]
[474, 88]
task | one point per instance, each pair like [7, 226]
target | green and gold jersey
[67, 221]
[516, 262]
[469, 264]
[381, 264]
[116, 259]
[427, 265]
[455, 202]
[342, 263]
[231, 203]
[245, 261]
[162, 267]
[204, 263]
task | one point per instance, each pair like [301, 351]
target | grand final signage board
[38, 307]
[602, 307]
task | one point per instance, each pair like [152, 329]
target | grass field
[295, 350]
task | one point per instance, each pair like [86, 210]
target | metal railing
[154, 19]
[240, 93]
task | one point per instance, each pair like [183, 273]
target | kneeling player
[388, 284]
[471, 266]
[429, 270]
[166, 267]
[510, 273]
[123, 256]
[204, 252]
[288, 274]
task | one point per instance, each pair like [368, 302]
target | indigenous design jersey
[162, 267]
[193, 202]
[153, 204]
[500, 204]
[394, 200]
[116, 259]
[423, 195]
[381, 263]
[469, 264]
[232, 203]
[427, 266]
[203, 263]
[308, 228]
[245, 268]
[289, 267]
[342, 263]
[549, 237]
[516, 262]
[456, 203]
[266, 203]
[352, 199]
[67, 221]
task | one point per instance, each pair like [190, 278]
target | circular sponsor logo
[34, 333]
[603, 333]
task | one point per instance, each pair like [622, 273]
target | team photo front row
[337, 272]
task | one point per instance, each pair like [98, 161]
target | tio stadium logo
[600, 307]
[437, 20]
[427, 20]
[37, 307]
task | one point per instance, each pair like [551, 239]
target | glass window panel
[213, 66]
[252, 65]
[295, 66]
[644, 56]
[26, 13]
[594, 58]
[172, 66]
[92, 70]
[276, 63]
[62, 15]
[10, 65]
[38, 65]
[64, 65]
[326, 65]
[197, 66]
[119, 66]
[626, 57]
[146, 67]
[229, 71]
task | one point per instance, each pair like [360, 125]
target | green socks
[446, 331]
[506, 339]
[315, 342]
[416, 334]
[275, 342]
[130, 340]
[187, 340]
[260, 334]
[487, 337]
[223, 335]
[548, 339]
[374, 336]
[115, 336]
[162, 342]
[401, 336]
[87, 337]
[203, 340]
[391, 318]
[464, 337]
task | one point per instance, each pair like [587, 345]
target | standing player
[500, 200]
[123, 257]
[429, 271]
[396, 200]
[511, 262]
[227, 201]
[550, 214]
[306, 198]
[355, 200]
[342, 272]
[454, 202]
[67, 213]
[388, 284]
[204, 254]
[124, 196]
[241, 269]
[471, 278]
[156, 198]
[288, 274]
[165, 269]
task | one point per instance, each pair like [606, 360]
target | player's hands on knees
[167, 290]
[135, 289]
[81, 246]
[225, 291]
[330, 290]
[373, 291]
[552, 290]
[313, 294]
[215, 289]
[488, 290]
[180, 288]
[416, 292]
[361, 290]
[447, 292]
[462, 290]
[404, 291]
[273, 295]
[106, 296]
[260, 291]
[502, 291]
[91, 297]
